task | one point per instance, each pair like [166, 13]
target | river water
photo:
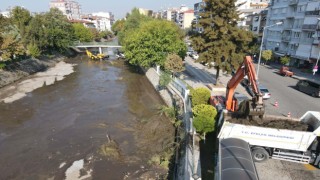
[100, 122]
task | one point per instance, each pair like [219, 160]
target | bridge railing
[109, 43]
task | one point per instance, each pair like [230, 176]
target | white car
[195, 56]
[120, 55]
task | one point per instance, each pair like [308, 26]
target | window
[275, 11]
[310, 34]
[296, 34]
[284, 10]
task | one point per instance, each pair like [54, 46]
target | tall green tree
[82, 33]
[21, 18]
[133, 21]
[221, 41]
[59, 30]
[37, 33]
[118, 26]
[152, 42]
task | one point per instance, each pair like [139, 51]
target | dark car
[309, 87]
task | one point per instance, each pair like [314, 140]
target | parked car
[309, 87]
[120, 55]
[190, 52]
[195, 56]
[265, 92]
[285, 71]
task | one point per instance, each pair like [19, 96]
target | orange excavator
[254, 107]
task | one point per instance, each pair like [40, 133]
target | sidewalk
[297, 73]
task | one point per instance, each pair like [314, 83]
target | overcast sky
[118, 7]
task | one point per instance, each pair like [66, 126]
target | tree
[266, 55]
[11, 45]
[152, 42]
[37, 32]
[132, 23]
[118, 26]
[204, 118]
[200, 96]
[82, 33]
[173, 63]
[105, 34]
[221, 41]
[59, 31]
[284, 60]
[95, 33]
[21, 18]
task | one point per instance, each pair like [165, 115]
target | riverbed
[98, 121]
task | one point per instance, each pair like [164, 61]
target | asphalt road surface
[283, 91]
[289, 100]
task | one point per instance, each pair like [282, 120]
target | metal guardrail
[188, 164]
[109, 43]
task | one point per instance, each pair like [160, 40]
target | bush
[33, 50]
[200, 96]
[2, 65]
[165, 79]
[266, 55]
[204, 118]
[284, 60]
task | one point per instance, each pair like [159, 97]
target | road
[289, 100]
[283, 91]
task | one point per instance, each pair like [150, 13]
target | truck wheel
[260, 154]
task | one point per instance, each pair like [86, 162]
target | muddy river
[100, 122]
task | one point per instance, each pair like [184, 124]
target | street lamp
[315, 68]
[278, 23]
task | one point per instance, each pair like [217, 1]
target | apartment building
[198, 9]
[256, 22]
[182, 16]
[298, 36]
[71, 9]
[185, 18]
[170, 14]
[247, 8]
[101, 20]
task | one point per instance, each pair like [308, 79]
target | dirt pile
[272, 123]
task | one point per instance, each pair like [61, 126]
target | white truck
[283, 144]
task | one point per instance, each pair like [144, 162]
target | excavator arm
[255, 107]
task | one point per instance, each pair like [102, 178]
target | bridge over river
[107, 48]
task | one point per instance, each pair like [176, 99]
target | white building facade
[298, 36]
[71, 9]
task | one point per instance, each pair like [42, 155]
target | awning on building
[301, 57]
[279, 54]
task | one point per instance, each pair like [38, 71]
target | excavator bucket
[250, 108]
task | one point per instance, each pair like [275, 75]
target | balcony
[306, 40]
[290, 15]
[313, 13]
[316, 42]
[286, 38]
[288, 27]
[310, 27]
[293, 2]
